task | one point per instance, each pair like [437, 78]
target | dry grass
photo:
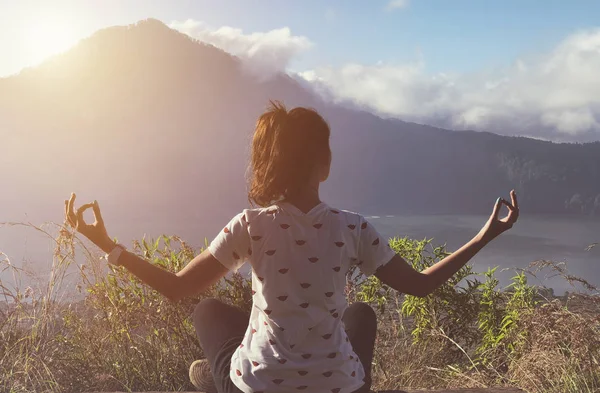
[560, 354]
[124, 336]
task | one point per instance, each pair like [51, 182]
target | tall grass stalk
[119, 334]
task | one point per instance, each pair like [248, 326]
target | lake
[561, 239]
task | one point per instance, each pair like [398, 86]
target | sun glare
[49, 36]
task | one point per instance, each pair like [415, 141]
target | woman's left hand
[95, 232]
[495, 226]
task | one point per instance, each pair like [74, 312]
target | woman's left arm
[202, 271]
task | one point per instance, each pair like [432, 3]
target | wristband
[113, 256]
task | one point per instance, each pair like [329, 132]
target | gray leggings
[220, 329]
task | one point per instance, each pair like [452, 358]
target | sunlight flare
[49, 36]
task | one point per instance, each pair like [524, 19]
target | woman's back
[295, 338]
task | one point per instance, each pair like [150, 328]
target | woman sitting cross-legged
[300, 334]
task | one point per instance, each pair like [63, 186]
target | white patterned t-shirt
[296, 339]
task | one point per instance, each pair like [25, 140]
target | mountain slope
[156, 126]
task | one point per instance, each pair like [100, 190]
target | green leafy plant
[499, 315]
[490, 314]
[450, 308]
[522, 302]
[124, 336]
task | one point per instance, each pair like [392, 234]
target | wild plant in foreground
[123, 335]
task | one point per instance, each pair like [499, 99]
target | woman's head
[290, 153]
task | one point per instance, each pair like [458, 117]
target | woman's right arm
[198, 275]
[398, 274]
[195, 277]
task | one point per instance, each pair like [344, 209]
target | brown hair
[286, 147]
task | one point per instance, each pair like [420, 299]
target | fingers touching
[80, 211]
[75, 218]
[97, 214]
[497, 207]
[513, 208]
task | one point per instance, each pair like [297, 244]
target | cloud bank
[555, 96]
[265, 53]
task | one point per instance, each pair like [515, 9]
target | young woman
[300, 334]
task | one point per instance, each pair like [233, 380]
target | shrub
[123, 335]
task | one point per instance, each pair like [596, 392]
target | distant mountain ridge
[153, 123]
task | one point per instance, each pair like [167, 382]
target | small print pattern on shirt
[296, 339]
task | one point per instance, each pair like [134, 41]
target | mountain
[156, 126]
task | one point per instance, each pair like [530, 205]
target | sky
[522, 67]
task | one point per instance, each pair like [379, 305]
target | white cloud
[552, 96]
[396, 4]
[265, 52]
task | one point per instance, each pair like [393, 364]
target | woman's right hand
[95, 232]
[495, 225]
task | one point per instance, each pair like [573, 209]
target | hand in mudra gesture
[95, 232]
[496, 225]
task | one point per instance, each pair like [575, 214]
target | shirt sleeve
[373, 250]
[231, 246]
